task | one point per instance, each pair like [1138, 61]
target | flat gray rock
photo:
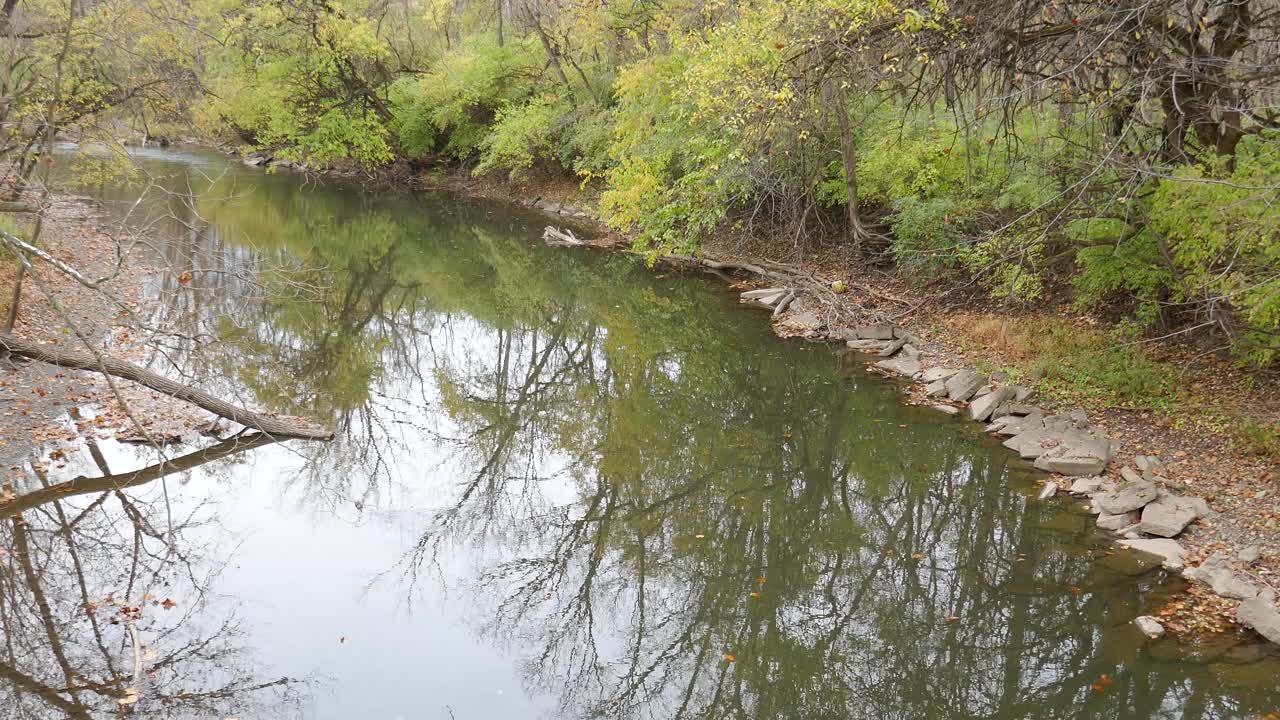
[1127, 497]
[1234, 585]
[1249, 555]
[1087, 485]
[937, 388]
[948, 409]
[1014, 425]
[1167, 516]
[982, 408]
[905, 366]
[1049, 490]
[1021, 393]
[1119, 522]
[866, 345]
[934, 374]
[763, 293]
[964, 384]
[1171, 554]
[1149, 626]
[879, 331]
[1260, 613]
[893, 347]
[1074, 452]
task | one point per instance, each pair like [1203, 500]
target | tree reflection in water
[89, 567]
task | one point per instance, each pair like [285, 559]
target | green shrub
[451, 109]
[522, 135]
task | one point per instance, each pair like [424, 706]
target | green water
[564, 486]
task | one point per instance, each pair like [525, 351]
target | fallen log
[563, 238]
[784, 303]
[273, 427]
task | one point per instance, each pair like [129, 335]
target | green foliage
[928, 233]
[452, 109]
[522, 135]
[1222, 230]
[1117, 262]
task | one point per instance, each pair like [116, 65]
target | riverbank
[1183, 424]
[45, 405]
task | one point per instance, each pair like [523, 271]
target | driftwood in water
[561, 238]
[784, 303]
[275, 427]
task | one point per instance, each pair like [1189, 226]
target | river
[563, 486]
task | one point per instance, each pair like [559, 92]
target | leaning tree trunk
[849, 161]
[274, 427]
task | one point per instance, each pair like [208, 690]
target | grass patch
[1070, 361]
[1259, 438]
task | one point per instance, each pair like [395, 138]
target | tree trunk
[500, 14]
[849, 161]
[273, 427]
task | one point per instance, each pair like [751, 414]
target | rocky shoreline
[1141, 510]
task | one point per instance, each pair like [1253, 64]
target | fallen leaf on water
[730, 658]
[953, 618]
[755, 595]
[184, 278]
[699, 536]
[786, 435]
[1076, 590]
[917, 556]
[1103, 681]
[760, 580]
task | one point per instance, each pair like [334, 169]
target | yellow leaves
[755, 595]
[728, 657]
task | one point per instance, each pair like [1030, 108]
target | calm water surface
[563, 487]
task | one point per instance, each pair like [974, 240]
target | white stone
[1168, 516]
[981, 408]
[1149, 626]
[1127, 497]
[1170, 552]
[1260, 613]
